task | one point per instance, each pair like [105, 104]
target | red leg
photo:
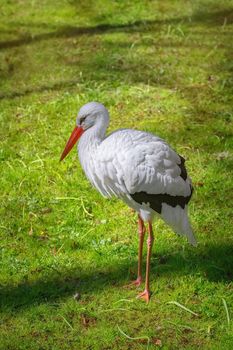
[141, 233]
[146, 294]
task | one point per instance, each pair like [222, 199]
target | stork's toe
[145, 295]
[135, 283]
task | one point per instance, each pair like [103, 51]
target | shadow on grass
[48, 87]
[216, 17]
[214, 263]
[102, 68]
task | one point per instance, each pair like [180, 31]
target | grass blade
[182, 307]
[66, 198]
[226, 309]
[181, 326]
[67, 322]
[124, 300]
[135, 338]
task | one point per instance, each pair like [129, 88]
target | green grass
[162, 66]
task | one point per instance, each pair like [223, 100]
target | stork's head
[90, 115]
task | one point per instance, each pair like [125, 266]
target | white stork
[137, 167]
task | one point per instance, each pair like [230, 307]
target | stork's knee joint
[150, 241]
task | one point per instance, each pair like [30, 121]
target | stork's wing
[133, 162]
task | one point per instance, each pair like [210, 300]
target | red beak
[76, 134]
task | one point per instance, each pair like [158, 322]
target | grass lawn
[161, 66]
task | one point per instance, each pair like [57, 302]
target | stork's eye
[82, 120]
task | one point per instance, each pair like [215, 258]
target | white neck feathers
[88, 146]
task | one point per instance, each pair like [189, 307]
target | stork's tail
[178, 219]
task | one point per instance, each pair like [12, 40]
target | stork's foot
[136, 283]
[145, 295]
